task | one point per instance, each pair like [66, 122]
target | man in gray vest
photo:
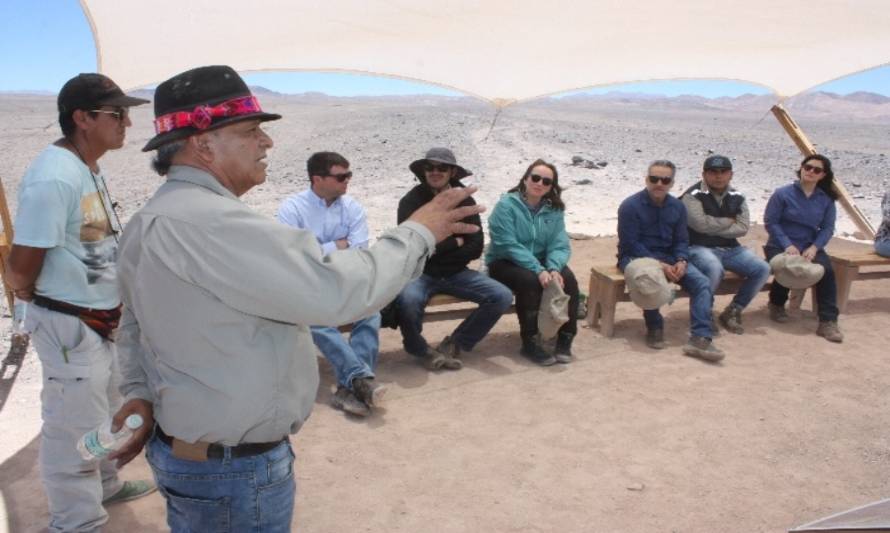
[717, 216]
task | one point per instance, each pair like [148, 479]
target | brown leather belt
[201, 451]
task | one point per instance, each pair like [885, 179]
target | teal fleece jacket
[536, 242]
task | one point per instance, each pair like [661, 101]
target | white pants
[80, 380]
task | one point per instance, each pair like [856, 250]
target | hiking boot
[532, 349]
[563, 351]
[655, 339]
[436, 360]
[830, 331]
[731, 318]
[777, 313]
[131, 490]
[366, 390]
[715, 326]
[345, 400]
[449, 348]
[702, 348]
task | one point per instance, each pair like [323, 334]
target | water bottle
[101, 441]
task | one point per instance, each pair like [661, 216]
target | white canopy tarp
[499, 50]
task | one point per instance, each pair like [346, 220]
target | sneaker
[731, 318]
[655, 339]
[830, 331]
[778, 314]
[702, 348]
[345, 400]
[131, 490]
[715, 326]
[563, 351]
[368, 391]
[532, 349]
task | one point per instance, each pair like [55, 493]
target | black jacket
[731, 207]
[449, 258]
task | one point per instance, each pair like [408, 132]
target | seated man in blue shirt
[339, 222]
[718, 215]
[652, 223]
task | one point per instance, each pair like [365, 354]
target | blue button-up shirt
[344, 219]
[649, 230]
[792, 218]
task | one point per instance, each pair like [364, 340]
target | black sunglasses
[429, 167]
[815, 170]
[341, 177]
[120, 113]
[546, 181]
[664, 181]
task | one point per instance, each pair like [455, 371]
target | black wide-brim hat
[201, 91]
[438, 155]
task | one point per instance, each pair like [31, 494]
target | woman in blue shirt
[529, 249]
[800, 220]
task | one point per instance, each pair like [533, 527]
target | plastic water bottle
[101, 441]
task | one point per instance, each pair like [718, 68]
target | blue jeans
[356, 358]
[882, 248]
[826, 288]
[713, 262]
[493, 298]
[230, 494]
[701, 300]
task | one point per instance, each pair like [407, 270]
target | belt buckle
[189, 452]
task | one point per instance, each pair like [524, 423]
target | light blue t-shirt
[61, 209]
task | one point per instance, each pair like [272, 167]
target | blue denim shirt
[649, 230]
[792, 218]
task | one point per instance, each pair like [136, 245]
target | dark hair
[320, 163]
[163, 158]
[66, 122]
[554, 195]
[827, 181]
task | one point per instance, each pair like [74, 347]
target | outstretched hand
[140, 436]
[442, 216]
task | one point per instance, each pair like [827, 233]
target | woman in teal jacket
[529, 249]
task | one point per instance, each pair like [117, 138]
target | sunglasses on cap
[815, 170]
[664, 181]
[546, 181]
[431, 167]
[341, 177]
[120, 113]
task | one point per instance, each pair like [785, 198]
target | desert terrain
[787, 429]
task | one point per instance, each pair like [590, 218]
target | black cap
[89, 91]
[718, 162]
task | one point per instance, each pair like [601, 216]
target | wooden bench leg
[593, 303]
[844, 275]
[607, 300]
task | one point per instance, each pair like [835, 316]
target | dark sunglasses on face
[120, 113]
[664, 181]
[429, 167]
[814, 170]
[341, 177]
[546, 181]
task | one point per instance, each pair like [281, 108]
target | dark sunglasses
[341, 177]
[546, 181]
[429, 167]
[815, 170]
[664, 181]
[120, 113]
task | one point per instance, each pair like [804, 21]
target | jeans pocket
[280, 468]
[188, 513]
[276, 505]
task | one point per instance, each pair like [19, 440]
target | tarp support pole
[807, 148]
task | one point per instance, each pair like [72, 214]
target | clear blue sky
[43, 43]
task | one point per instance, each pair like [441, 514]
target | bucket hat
[647, 284]
[795, 272]
[554, 310]
[202, 99]
[438, 155]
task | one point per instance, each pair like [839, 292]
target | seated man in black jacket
[446, 271]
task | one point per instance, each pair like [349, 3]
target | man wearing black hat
[214, 340]
[446, 272]
[717, 216]
[62, 265]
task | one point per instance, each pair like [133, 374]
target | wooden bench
[607, 288]
[444, 307]
[846, 267]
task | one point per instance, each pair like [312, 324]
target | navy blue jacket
[649, 230]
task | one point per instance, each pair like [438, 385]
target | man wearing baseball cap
[214, 339]
[62, 263]
[717, 216]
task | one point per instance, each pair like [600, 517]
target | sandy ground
[789, 428]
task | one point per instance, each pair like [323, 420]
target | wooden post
[5, 245]
[807, 148]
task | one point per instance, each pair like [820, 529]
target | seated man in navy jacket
[652, 223]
